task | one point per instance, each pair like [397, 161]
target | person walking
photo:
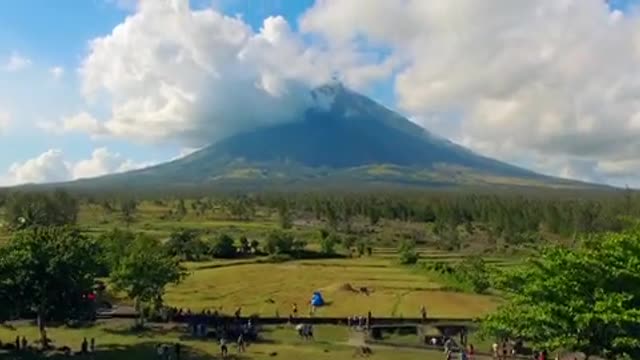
[84, 347]
[423, 313]
[17, 342]
[241, 346]
[92, 345]
[25, 344]
[177, 349]
[223, 347]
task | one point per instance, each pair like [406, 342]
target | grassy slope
[395, 291]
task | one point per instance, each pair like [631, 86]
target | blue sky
[40, 35]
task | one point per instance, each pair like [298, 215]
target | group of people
[359, 321]
[20, 343]
[87, 346]
[305, 331]
[507, 350]
[241, 344]
[464, 353]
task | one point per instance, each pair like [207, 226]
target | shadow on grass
[150, 330]
[142, 351]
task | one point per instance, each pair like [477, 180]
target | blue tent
[316, 299]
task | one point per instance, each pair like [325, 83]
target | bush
[408, 254]
[328, 244]
[361, 246]
[280, 242]
[223, 247]
[186, 244]
[473, 271]
[244, 246]
[349, 242]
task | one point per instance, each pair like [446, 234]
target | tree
[374, 214]
[186, 244]
[24, 210]
[328, 244]
[284, 216]
[181, 209]
[114, 245]
[128, 208]
[473, 271]
[145, 271]
[245, 245]
[52, 270]
[361, 246]
[255, 246]
[348, 242]
[280, 242]
[223, 247]
[408, 254]
[584, 299]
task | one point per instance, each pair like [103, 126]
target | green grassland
[114, 341]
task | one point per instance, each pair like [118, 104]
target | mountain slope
[352, 141]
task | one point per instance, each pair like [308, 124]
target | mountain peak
[345, 137]
[324, 96]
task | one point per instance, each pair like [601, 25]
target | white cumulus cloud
[16, 62]
[173, 73]
[104, 162]
[49, 166]
[80, 122]
[193, 76]
[534, 79]
[53, 166]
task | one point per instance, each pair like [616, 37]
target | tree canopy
[145, 271]
[186, 244]
[585, 299]
[30, 209]
[51, 272]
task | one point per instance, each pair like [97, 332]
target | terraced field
[270, 289]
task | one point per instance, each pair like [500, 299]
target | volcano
[351, 141]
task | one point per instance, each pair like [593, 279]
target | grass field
[264, 288]
[114, 341]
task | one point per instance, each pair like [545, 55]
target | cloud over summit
[193, 76]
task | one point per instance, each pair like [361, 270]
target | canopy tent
[316, 299]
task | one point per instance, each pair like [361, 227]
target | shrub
[328, 244]
[408, 254]
[186, 244]
[473, 271]
[223, 247]
[349, 242]
[280, 242]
